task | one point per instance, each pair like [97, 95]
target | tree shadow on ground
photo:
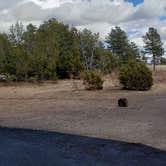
[19, 147]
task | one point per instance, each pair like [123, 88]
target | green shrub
[33, 79]
[93, 80]
[136, 76]
[11, 78]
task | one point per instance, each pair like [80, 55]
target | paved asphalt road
[39, 148]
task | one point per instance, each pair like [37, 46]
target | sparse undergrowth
[93, 80]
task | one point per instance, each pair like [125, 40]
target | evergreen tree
[153, 44]
[56, 50]
[120, 45]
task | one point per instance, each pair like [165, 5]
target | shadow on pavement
[20, 147]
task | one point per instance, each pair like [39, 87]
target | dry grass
[111, 80]
[66, 107]
[158, 67]
[159, 75]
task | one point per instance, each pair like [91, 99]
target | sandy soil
[67, 108]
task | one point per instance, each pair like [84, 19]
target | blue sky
[97, 15]
[136, 2]
[162, 18]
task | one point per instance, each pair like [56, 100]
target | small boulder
[123, 102]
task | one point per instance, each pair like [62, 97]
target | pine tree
[120, 46]
[153, 44]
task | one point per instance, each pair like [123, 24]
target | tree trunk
[154, 63]
[91, 59]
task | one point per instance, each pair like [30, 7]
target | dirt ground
[66, 107]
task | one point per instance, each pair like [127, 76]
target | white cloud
[97, 15]
[46, 4]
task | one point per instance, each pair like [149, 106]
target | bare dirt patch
[66, 107]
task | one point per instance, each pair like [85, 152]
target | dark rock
[123, 102]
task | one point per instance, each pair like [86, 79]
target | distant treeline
[55, 50]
